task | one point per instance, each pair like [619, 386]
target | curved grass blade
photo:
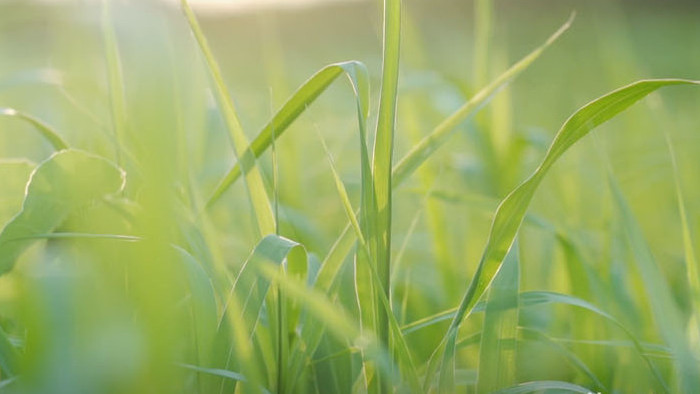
[304, 96]
[512, 209]
[543, 385]
[64, 182]
[536, 298]
[48, 132]
[253, 179]
[399, 343]
[216, 372]
[430, 143]
[244, 305]
[332, 263]
[335, 319]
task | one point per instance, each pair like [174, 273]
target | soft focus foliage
[397, 196]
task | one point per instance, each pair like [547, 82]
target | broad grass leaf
[63, 183]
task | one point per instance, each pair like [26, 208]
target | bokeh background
[89, 332]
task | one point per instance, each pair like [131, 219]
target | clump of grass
[122, 277]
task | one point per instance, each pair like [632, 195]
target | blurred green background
[88, 315]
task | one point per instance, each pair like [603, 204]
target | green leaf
[253, 179]
[216, 372]
[399, 343]
[513, 208]
[664, 309]
[63, 183]
[377, 209]
[438, 136]
[533, 387]
[244, 304]
[300, 100]
[497, 360]
[51, 135]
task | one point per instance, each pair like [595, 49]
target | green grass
[425, 218]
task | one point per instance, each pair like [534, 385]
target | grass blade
[51, 135]
[533, 387]
[399, 344]
[438, 136]
[115, 78]
[253, 179]
[512, 209]
[497, 360]
[304, 96]
[379, 219]
[216, 372]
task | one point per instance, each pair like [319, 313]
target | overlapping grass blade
[664, 309]
[343, 245]
[253, 179]
[244, 305]
[512, 209]
[336, 320]
[497, 360]
[64, 182]
[399, 344]
[50, 135]
[537, 298]
[304, 96]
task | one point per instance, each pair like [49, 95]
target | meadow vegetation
[396, 196]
